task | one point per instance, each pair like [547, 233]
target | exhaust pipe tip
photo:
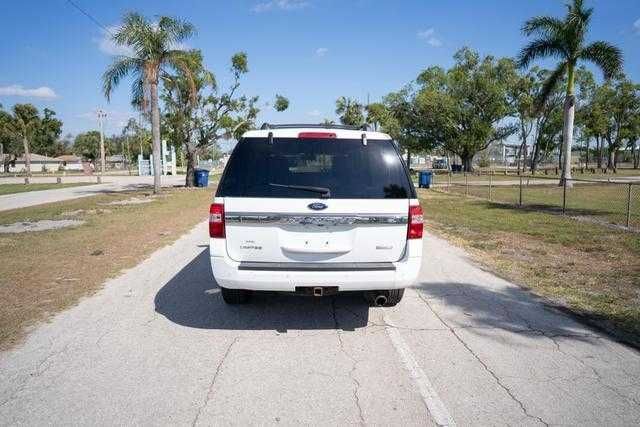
[380, 300]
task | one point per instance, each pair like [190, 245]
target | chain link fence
[607, 202]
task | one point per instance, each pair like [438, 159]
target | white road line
[436, 407]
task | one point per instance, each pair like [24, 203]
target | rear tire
[394, 296]
[235, 296]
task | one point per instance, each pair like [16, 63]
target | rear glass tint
[349, 169]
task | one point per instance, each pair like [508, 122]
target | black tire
[394, 296]
[235, 296]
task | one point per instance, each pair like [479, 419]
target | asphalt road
[110, 184]
[157, 346]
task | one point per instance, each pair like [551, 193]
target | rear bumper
[229, 274]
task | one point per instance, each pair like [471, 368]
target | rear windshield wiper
[324, 192]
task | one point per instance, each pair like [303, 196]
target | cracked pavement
[158, 346]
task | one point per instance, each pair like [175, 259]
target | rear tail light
[216, 220]
[416, 222]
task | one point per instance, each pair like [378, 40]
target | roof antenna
[270, 137]
[364, 138]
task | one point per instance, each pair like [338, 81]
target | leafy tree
[139, 138]
[547, 120]
[401, 118]
[463, 109]
[87, 145]
[214, 114]
[23, 125]
[521, 94]
[351, 112]
[620, 102]
[155, 48]
[7, 139]
[46, 140]
[281, 103]
[565, 39]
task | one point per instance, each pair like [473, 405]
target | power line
[88, 15]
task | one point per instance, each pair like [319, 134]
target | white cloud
[39, 92]
[107, 45]
[314, 113]
[429, 35]
[321, 51]
[267, 6]
[636, 26]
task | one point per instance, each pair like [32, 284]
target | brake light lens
[416, 222]
[216, 220]
[307, 135]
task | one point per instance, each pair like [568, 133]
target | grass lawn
[591, 269]
[606, 203]
[22, 188]
[44, 272]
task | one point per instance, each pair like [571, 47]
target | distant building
[39, 163]
[70, 162]
[117, 161]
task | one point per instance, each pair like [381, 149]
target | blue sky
[311, 51]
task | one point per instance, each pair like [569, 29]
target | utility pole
[101, 116]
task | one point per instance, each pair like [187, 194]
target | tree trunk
[567, 138]
[599, 153]
[155, 133]
[27, 158]
[587, 156]
[409, 159]
[191, 166]
[467, 160]
[636, 156]
[534, 158]
[611, 161]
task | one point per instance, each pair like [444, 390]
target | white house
[39, 163]
[70, 162]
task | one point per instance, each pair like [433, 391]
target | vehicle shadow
[192, 298]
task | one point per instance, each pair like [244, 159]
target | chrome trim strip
[313, 219]
[317, 266]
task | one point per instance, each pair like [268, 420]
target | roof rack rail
[266, 126]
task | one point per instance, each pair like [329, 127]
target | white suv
[315, 210]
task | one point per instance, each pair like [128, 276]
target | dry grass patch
[591, 269]
[44, 272]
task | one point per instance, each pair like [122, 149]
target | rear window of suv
[347, 167]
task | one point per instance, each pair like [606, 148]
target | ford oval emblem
[317, 206]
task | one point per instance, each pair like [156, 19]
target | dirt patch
[131, 201]
[79, 212]
[46, 224]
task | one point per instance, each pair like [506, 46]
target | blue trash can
[424, 180]
[201, 178]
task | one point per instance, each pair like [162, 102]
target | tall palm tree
[564, 39]
[23, 125]
[154, 46]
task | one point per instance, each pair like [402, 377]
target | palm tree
[154, 46]
[350, 111]
[564, 39]
[23, 125]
